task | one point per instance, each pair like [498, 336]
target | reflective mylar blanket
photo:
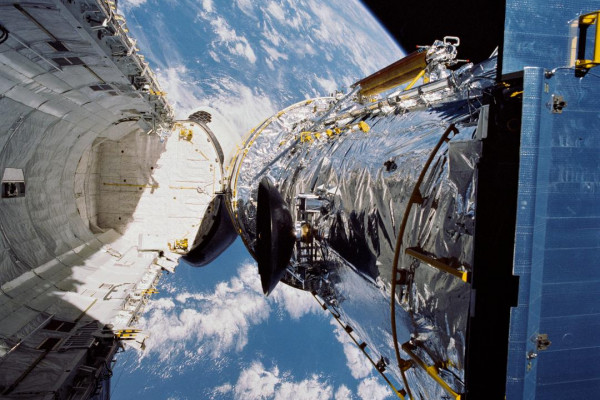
[362, 161]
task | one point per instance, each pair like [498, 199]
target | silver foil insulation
[347, 169]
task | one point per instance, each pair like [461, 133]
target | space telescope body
[435, 220]
[451, 228]
[345, 169]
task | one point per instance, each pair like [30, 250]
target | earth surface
[213, 334]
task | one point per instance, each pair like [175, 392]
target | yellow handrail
[585, 21]
[414, 198]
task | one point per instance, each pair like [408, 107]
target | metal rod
[415, 196]
[431, 371]
[35, 52]
[35, 21]
[91, 71]
[361, 346]
[462, 275]
[16, 346]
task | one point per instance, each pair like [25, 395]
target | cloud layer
[217, 322]
[211, 326]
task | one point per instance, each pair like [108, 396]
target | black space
[478, 24]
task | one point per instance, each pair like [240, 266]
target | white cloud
[242, 106]
[307, 389]
[211, 324]
[256, 382]
[214, 322]
[296, 302]
[333, 30]
[276, 11]
[246, 6]
[175, 81]
[371, 389]
[227, 36]
[359, 365]
[274, 54]
[129, 4]
[208, 5]
[328, 85]
[343, 393]
[219, 391]
[214, 56]
[272, 35]
[163, 304]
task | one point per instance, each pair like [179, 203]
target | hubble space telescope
[432, 209]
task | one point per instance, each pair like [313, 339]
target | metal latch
[542, 342]
[558, 103]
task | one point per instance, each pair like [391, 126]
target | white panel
[13, 175]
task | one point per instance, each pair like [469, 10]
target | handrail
[415, 197]
[235, 165]
[431, 371]
[585, 21]
[348, 329]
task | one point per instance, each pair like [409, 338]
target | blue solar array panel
[557, 244]
[539, 33]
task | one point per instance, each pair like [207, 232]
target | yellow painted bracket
[415, 198]
[416, 253]
[179, 244]
[363, 126]
[127, 333]
[431, 370]
[186, 134]
[585, 21]
[306, 137]
[419, 76]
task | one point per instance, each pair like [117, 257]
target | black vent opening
[58, 45]
[101, 87]
[68, 61]
[49, 344]
[58, 325]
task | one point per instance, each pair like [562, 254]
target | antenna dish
[275, 235]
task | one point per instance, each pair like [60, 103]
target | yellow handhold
[419, 76]
[127, 333]
[129, 330]
[306, 137]
[186, 134]
[329, 132]
[317, 135]
[337, 131]
[364, 126]
[179, 244]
